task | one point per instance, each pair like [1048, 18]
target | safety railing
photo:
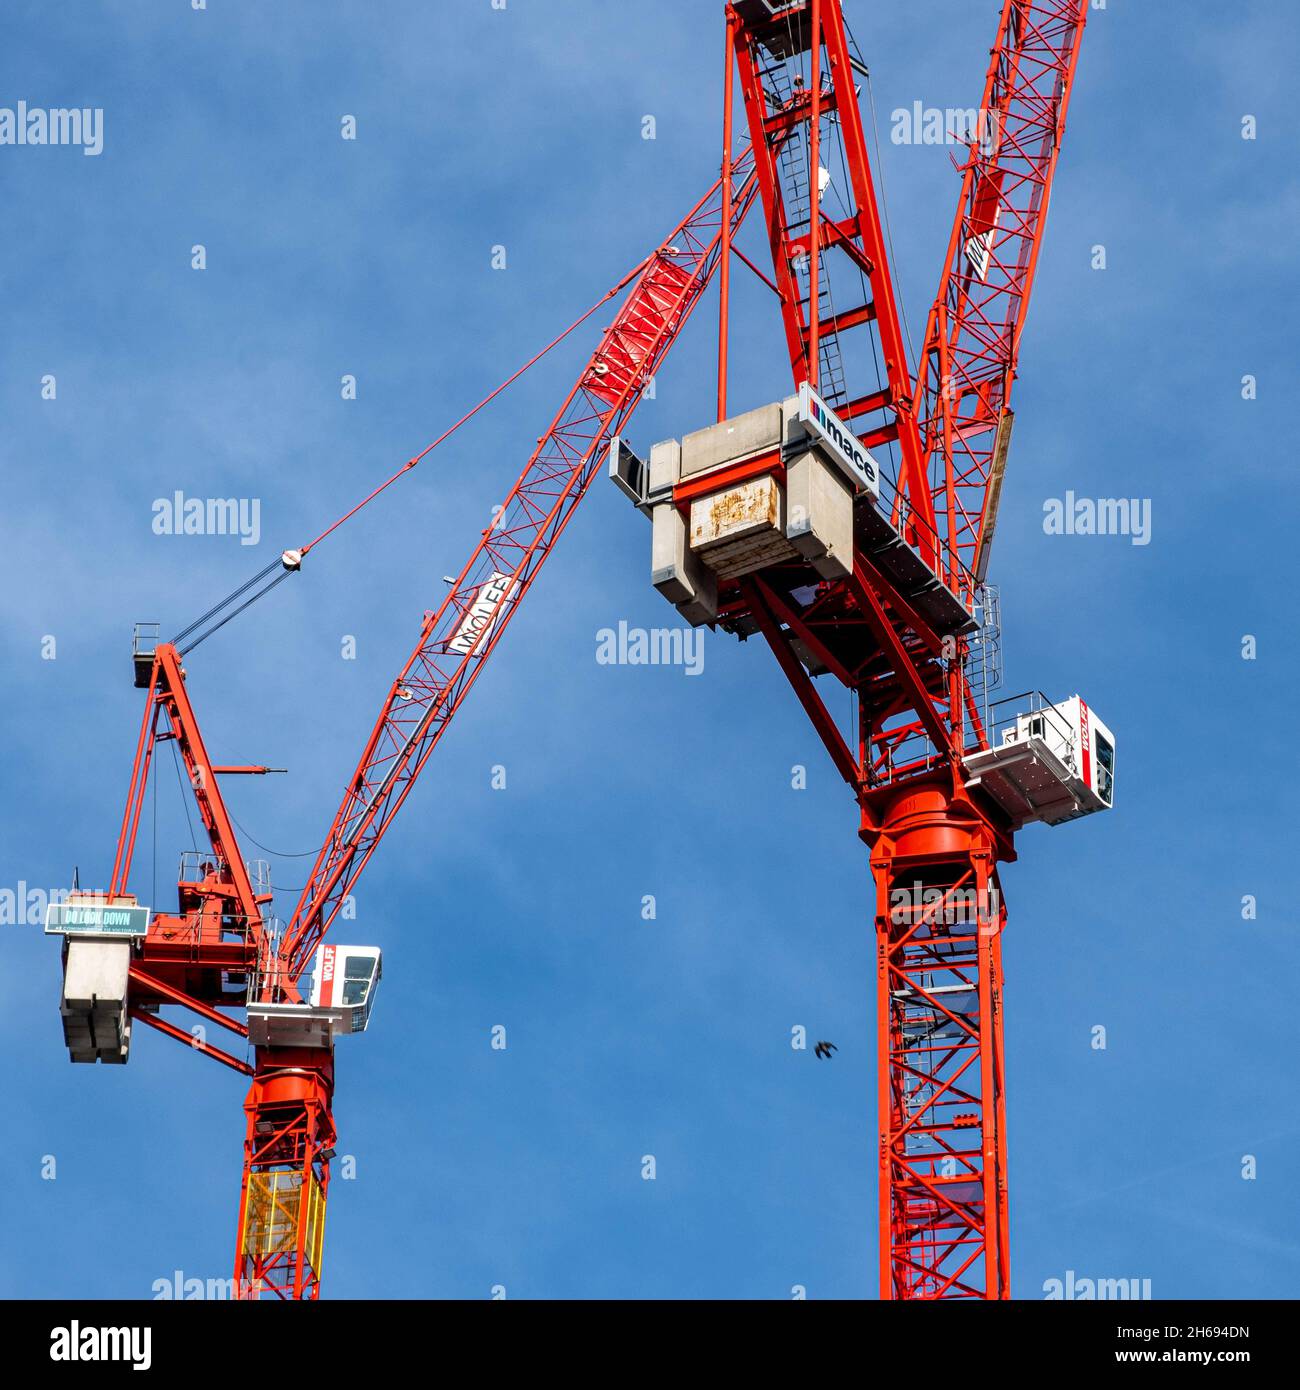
[925, 541]
[984, 670]
[1035, 714]
[144, 639]
[197, 864]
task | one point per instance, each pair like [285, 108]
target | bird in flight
[824, 1049]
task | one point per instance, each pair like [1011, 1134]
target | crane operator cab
[339, 997]
[345, 977]
[1052, 762]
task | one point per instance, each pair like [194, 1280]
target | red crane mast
[898, 623]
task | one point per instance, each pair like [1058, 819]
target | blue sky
[522, 907]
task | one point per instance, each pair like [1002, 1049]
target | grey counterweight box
[819, 516]
[675, 570]
[759, 522]
[744, 526]
[93, 1006]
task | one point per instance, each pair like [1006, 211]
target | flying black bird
[824, 1049]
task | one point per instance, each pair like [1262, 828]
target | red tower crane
[218, 952]
[780, 523]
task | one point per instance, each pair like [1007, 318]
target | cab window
[357, 974]
[1105, 768]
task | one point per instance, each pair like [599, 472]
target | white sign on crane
[483, 613]
[846, 450]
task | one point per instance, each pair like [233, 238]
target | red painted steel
[218, 940]
[943, 1224]
[288, 1143]
[940, 1082]
[943, 1187]
[799, 231]
[199, 957]
[968, 361]
[449, 654]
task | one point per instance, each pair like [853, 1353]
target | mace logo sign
[844, 447]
